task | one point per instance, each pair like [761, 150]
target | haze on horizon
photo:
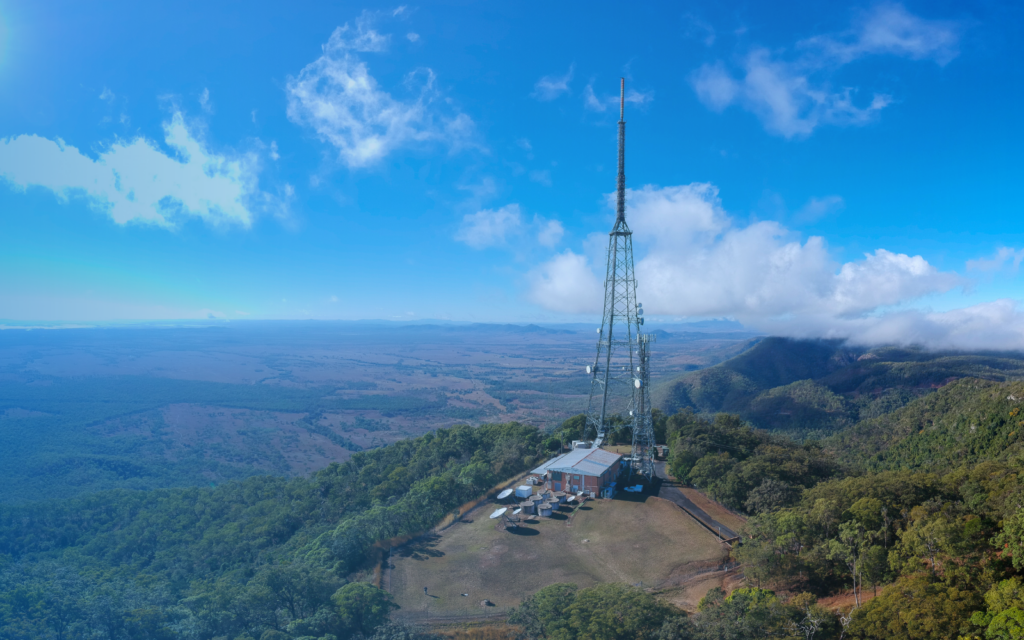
[841, 171]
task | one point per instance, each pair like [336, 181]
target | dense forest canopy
[247, 557]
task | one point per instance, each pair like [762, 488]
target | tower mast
[619, 374]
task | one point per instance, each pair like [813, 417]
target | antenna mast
[620, 195]
[619, 374]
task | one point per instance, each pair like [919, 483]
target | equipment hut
[588, 470]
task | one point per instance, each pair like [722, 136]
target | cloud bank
[693, 259]
[337, 98]
[135, 181]
[791, 93]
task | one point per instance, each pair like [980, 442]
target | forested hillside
[816, 388]
[962, 423]
[918, 517]
[246, 558]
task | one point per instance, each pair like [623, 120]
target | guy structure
[620, 369]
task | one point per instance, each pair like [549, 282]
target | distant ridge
[813, 388]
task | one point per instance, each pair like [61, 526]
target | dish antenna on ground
[498, 512]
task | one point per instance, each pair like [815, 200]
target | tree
[617, 611]
[544, 613]
[770, 495]
[363, 607]
[810, 617]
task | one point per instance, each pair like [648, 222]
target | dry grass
[609, 541]
[715, 510]
[688, 596]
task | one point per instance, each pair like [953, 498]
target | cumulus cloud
[337, 98]
[136, 181]
[550, 87]
[489, 227]
[566, 283]
[792, 95]
[551, 232]
[693, 259]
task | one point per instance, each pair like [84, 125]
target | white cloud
[891, 29]
[566, 283]
[592, 102]
[337, 98]
[783, 96]
[413, 37]
[524, 144]
[997, 325]
[489, 227]
[792, 97]
[136, 181]
[550, 87]
[551, 232]
[694, 260]
[107, 95]
[818, 208]
[1002, 257]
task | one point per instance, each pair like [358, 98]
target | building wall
[586, 483]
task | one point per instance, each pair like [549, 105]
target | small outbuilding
[589, 470]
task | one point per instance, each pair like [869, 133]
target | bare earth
[642, 541]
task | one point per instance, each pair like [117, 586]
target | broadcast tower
[620, 374]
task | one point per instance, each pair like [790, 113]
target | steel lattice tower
[619, 375]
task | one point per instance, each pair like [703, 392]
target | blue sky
[807, 168]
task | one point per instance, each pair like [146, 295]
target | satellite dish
[631, 412]
[498, 512]
[599, 331]
[637, 383]
[588, 369]
[640, 311]
[640, 304]
[516, 512]
[641, 321]
[504, 494]
[638, 369]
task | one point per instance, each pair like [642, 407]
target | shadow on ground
[421, 549]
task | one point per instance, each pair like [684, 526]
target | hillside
[815, 388]
[965, 422]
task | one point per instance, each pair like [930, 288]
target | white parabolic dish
[504, 494]
[497, 512]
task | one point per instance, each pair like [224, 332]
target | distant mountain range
[814, 388]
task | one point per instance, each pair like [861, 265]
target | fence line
[686, 577]
[430, 617]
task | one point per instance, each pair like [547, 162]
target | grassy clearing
[641, 540]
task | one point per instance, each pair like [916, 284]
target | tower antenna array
[619, 374]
